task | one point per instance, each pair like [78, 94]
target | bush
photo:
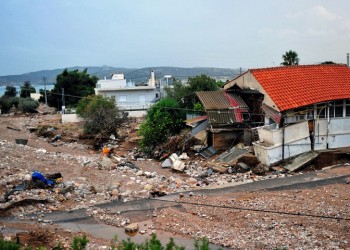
[101, 116]
[79, 243]
[152, 244]
[6, 103]
[28, 105]
[8, 245]
[165, 118]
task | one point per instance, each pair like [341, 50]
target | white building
[127, 95]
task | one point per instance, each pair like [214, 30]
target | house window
[112, 98]
[347, 108]
[336, 109]
[98, 86]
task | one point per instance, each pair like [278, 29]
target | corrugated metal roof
[238, 100]
[213, 100]
[221, 117]
[219, 100]
[222, 107]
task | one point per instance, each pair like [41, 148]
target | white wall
[336, 133]
[67, 118]
[269, 155]
[133, 98]
[269, 148]
[110, 84]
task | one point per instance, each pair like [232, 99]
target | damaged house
[303, 108]
[222, 120]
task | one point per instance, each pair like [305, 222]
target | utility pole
[44, 79]
[63, 104]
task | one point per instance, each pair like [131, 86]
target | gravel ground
[317, 218]
[89, 180]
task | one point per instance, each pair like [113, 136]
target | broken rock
[106, 163]
[132, 227]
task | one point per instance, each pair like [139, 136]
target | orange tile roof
[296, 86]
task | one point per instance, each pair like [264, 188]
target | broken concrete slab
[300, 161]
[167, 163]
[218, 167]
[243, 165]
[231, 155]
[179, 165]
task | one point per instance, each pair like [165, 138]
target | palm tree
[290, 58]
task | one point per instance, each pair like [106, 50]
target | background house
[135, 98]
[305, 108]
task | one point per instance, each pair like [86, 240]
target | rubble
[124, 173]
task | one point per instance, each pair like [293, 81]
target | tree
[194, 84]
[328, 62]
[10, 91]
[201, 83]
[164, 119]
[290, 58]
[75, 84]
[101, 117]
[26, 89]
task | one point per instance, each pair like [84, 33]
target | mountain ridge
[132, 74]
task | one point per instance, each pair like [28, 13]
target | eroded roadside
[117, 193]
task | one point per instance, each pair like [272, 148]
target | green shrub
[28, 104]
[203, 245]
[127, 245]
[6, 103]
[165, 118]
[101, 116]
[79, 243]
[8, 245]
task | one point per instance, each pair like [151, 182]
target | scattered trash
[39, 178]
[260, 169]
[174, 162]
[208, 152]
[56, 138]
[21, 141]
[167, 163]
[17, 129]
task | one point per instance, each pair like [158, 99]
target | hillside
[135, 75]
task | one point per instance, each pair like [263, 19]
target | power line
[261, 210]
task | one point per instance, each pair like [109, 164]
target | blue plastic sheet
[37, 176]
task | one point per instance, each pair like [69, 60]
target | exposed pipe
[283, 136]
[347, 59]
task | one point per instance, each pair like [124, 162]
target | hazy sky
[49, 34]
